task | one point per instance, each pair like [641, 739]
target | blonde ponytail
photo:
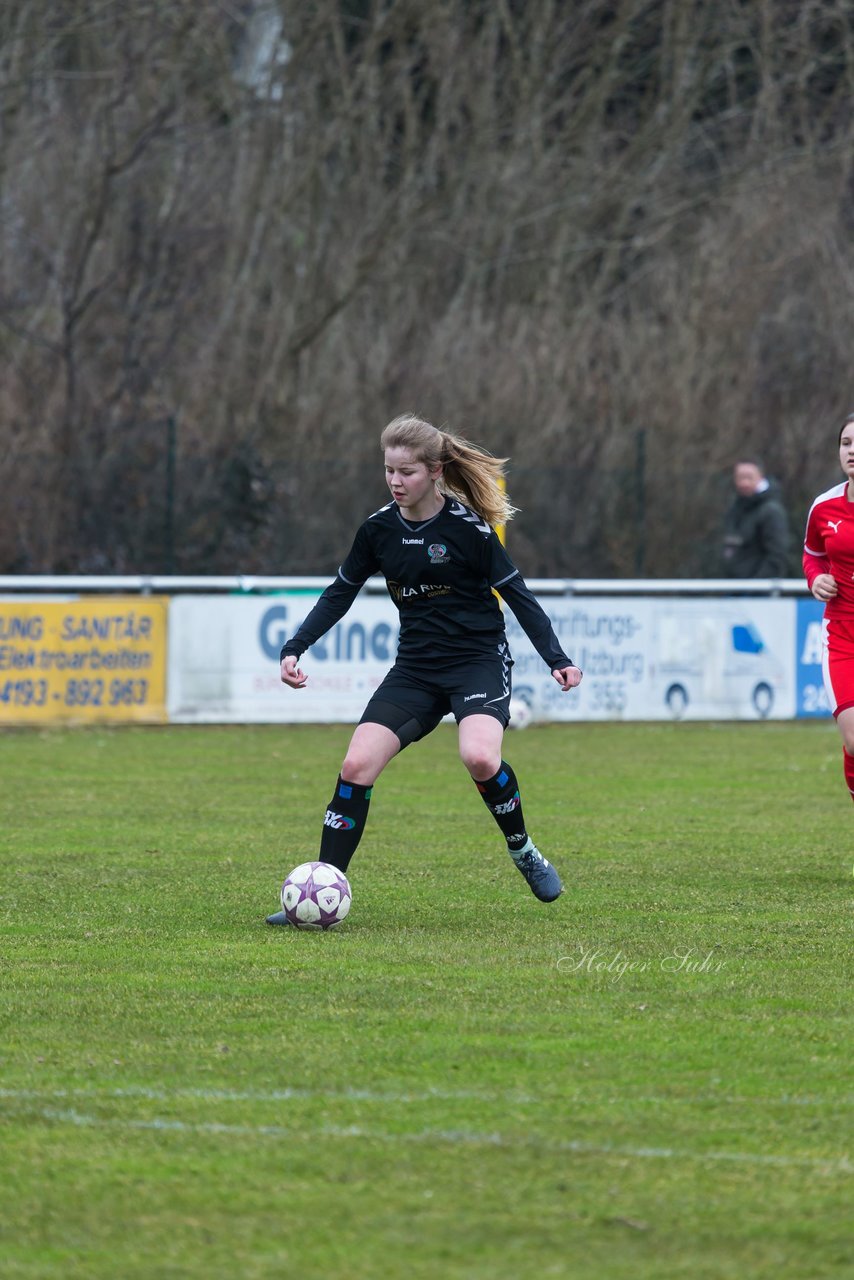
[469, 472]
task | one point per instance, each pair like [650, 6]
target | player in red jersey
[829, 569]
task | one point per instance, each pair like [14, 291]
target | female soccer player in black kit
[441, 558]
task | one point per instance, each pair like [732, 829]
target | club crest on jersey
[438, 553]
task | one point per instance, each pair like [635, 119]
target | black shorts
[412, 701]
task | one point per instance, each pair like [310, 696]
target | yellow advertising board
[83, 660]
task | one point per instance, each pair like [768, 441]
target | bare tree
[613, 240]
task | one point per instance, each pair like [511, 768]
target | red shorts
[837, 662]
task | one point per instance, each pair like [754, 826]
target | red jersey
[829, 547]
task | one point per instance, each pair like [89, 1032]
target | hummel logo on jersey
[338, 822]
[834, 525]
[470, 697]
[471, 517]
[412, 542]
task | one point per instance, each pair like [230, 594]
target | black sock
[501, 795]
[344, 823]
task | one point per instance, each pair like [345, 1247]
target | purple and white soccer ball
[520, 713]
[316, 895]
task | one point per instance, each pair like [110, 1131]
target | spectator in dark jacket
[756, 527]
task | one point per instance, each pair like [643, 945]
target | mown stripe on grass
[406, 1097]
[835, 1164]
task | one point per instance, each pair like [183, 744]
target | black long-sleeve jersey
[440, 574]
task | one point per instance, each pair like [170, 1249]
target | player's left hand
[567, 677]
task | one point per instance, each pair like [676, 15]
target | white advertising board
[664, 659]
[224, 659]
[643, 659]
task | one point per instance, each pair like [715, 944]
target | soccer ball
[316, 895]
[520, 713]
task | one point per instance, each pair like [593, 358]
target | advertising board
[83, 660]
[642, 659]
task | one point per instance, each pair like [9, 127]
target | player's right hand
[824, 586]
[291, 674]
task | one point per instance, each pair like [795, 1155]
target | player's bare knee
[481, 762]
[359, 768]
[848, 739]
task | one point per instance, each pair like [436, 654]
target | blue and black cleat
[544, 881]
[279, 917]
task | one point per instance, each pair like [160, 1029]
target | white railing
[176, 584]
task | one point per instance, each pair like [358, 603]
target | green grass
[646, 1079]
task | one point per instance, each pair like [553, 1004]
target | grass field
[649, 1078]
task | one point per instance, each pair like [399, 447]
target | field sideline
[648, 1079]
